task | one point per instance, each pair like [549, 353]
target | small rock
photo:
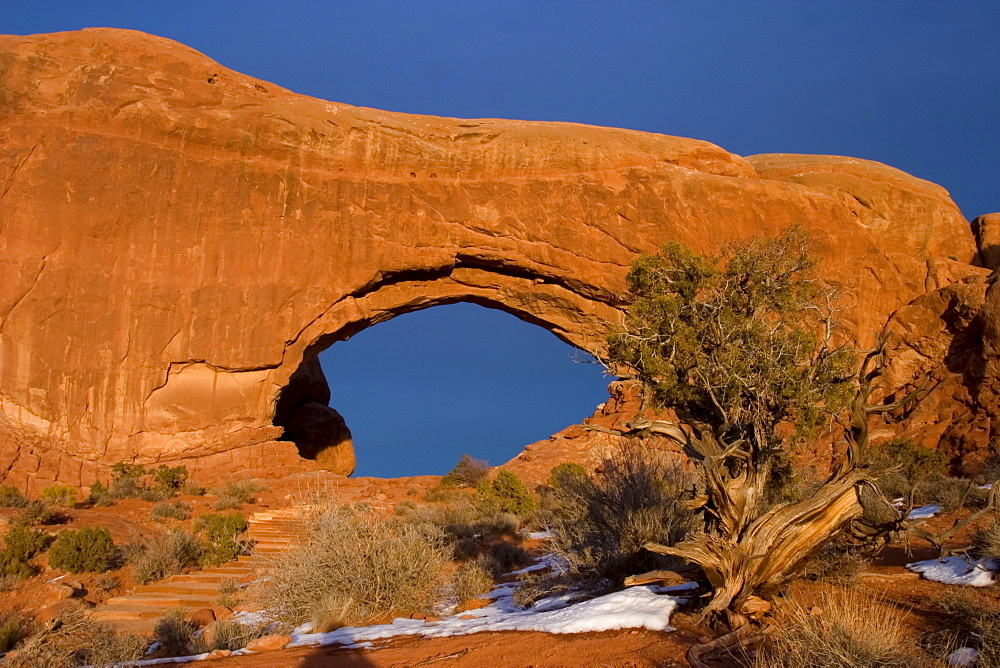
[202, 617]
[432, 618]
[218, 654]
[222, 612]
[268, 643]
[468, 617]
[418, 615]
[816, 611]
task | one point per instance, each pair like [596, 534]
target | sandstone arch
[176, 238]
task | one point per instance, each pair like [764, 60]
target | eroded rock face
[178, 239]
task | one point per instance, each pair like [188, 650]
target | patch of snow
[638, 607]
[989, 486]
[172, 659]
[923, 512]
[958, 571]
[540, 535]
[963, 657]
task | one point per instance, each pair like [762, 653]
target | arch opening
[418, 391]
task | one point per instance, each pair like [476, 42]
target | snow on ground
[958, 571]
[638, 607]
[963, 657]
[923, 512]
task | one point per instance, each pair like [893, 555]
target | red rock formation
[177, 239]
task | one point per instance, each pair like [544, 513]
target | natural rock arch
[176, 238]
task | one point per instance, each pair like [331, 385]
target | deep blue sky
[912, 84]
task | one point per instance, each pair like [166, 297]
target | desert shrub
[467, 472]
[177, 635]
[177, 510]
[508, 557]
[355, 566]
[987, 540]
[565, 473]
[602, 522]
[838, 563]
[902, 466]
[506, 494]
[58, 495]
[172, 478]
[950, 493]
[978, 619]
[127, 480]
[193, 489]
[11, 497]
[472, 579]
[221, 537]
[165, 554]
[75, 640]
[86, 550]
[15, 626]
[236, 493]
[100, 495]
[232, 635]
[229, 593]
[107, 582]
[852, 630]
[35, 513]
[20, 546]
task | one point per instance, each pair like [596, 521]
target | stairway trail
[272, 532]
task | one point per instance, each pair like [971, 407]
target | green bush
[172, 478]
[11, 497]
[34, 513]
[913, 463]
[59, 495]
[506, 494]
[221, 537]
[566, 473]
[127, 480]
[100, 495]
[467, 472]
[87, 550]
[20, 545]
[15, 626]
[177, 510]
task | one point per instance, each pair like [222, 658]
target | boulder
[268, 643]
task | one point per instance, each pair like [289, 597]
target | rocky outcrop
[177, 240]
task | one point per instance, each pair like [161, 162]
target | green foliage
[100, 495]
[915, 462]
[506, 494]
[34, 513]
[733, 342]
[59, 495]
[88, 550]
[127, 480]
[467, 472]
[566, 473]
[221, 537]
[20, 545]
[11, 497]
[171, 478]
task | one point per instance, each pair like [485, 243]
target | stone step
[180, 587]
[209, 578]
[116, 612]
[166, 601]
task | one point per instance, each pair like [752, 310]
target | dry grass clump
[164, 555]
[357, 565]
[599, 524]
[848, 629]
[177, 635]
[176, 510]
[473, 578]
[978, 617]
[15, 626]
[987, 540]
[236, 493]
[75, 640]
